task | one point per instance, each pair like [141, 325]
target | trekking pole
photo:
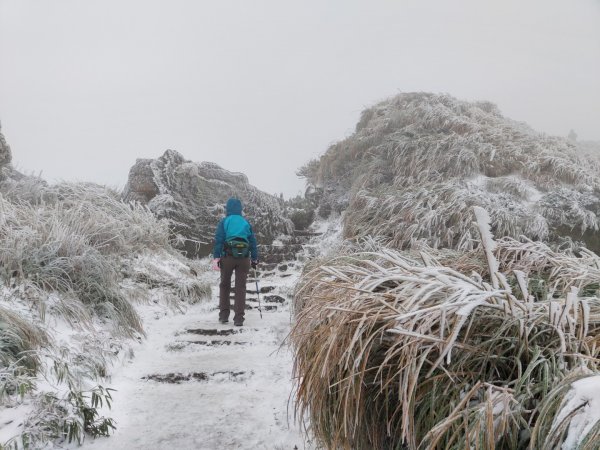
[257, 293]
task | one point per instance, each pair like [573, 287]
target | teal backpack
[238, 248]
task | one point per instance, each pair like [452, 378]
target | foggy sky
[263, 86]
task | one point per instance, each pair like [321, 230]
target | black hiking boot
[238, 324]
[223, 321]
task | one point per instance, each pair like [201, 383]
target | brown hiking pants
[241, 266]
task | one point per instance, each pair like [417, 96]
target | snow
[478, 181]
[322, 226]
[162, 264]
[583, 400]
[330, 239]
[11, 421]
[249, 411]
[241, 396]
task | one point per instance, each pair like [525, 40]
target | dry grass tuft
[19, 339]
[393, 351]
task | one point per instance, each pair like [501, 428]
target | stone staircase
[278, 262]
[282, 254]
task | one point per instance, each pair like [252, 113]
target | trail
[197, 384]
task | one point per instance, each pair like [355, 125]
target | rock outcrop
[418, 162]
[192, 197]
[5, 156]
[13, 184]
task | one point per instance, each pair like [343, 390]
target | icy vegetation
[191, 196]
[418, 162]
[496, 347]
[413, 327]
[75, 261]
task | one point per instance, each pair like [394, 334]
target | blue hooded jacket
[234, 226]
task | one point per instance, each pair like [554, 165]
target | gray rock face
[5, 154]
[192, 197]
[12, 182]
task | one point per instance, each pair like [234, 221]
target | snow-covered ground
[234, 388]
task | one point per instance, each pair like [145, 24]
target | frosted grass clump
[67, 254]
[70, 242]
[397, 349]
[408, 171]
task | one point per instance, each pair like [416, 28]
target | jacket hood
[234, 206]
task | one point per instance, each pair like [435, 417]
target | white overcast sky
[262, 86]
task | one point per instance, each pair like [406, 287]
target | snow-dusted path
[238, 392]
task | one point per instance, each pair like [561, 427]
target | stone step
[215, 343]
[263, 302]
[261, 276]
[263, 307]
[254, 299]
[269, 307]
[306, 233]
[262, 290]
[266, 299]
[178, 377]
[273, 299]
[214, 331]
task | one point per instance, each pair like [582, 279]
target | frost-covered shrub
[194, 291]
[20, 341]
[69, 242]
[302, 218]
[418, 161]
[301, 211]
[66, 418]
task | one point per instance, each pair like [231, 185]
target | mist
[262, 87]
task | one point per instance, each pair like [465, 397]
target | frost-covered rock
[5, 154]
[418, 162]
[9, 177]
[192, 196]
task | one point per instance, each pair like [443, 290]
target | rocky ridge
[191, 196]
[5, 155]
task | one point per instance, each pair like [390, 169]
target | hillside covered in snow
[107, 315]
[76, 266]
[418, 162]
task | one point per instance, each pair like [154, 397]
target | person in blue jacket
[235, 250]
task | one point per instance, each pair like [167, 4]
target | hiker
[235, 250]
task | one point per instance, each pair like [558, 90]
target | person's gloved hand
[216, 265]
[254, 263]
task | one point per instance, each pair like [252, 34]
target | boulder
[5, 156]
[192, 196]
[11, 178]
